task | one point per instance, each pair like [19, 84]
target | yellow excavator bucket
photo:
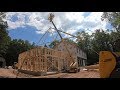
[107, 63]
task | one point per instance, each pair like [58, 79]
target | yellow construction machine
[109, 64]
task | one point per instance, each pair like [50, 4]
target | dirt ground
[81, 74]
[11, 73]
[7, 73]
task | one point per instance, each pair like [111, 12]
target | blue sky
[32, 25]
[26, 33]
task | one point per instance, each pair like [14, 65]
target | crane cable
[54, 37]
[43, 36]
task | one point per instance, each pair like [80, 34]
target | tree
[54, 43]
[3, 23]
[113, 18]
[15, 48]
[4, 38]
[101, 41]
[115, 41]
[84, 42]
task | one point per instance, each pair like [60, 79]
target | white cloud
[18, 23]
[70, 22]
[15, 25]
[94, 21]
[75, 16]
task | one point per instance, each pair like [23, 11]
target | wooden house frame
[43, 59]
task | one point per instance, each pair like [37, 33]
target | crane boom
[51, 20]
[68, 34]
[58, 31]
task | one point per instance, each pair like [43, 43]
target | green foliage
[100, 40]
[10, 49]
[83, 40]
[113, 18]
[4, 38]
[3, 23]
[15, 48]
[54, 43]
[115, 41]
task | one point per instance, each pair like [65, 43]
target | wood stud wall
[42, 59]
